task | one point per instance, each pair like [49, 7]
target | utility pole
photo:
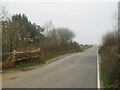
[118, 45]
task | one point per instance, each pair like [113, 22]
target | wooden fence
[18, 56]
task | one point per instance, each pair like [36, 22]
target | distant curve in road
[74, 71]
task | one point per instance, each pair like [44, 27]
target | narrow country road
[75, 71]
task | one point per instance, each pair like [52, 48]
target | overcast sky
[89, 20]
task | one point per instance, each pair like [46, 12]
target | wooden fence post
[13, 55]
[38, 51]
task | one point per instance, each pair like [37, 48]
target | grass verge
[44, 57]
[28, 64]
[105, 71]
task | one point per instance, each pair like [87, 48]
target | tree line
[20, 34]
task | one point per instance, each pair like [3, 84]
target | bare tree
[3, 12]
[110, 38]
[47, 27]
[65, 35]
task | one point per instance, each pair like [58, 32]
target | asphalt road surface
[75, 71]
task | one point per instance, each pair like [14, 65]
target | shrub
[109, 62]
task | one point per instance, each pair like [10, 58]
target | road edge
[98, 72]
[25, 70]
